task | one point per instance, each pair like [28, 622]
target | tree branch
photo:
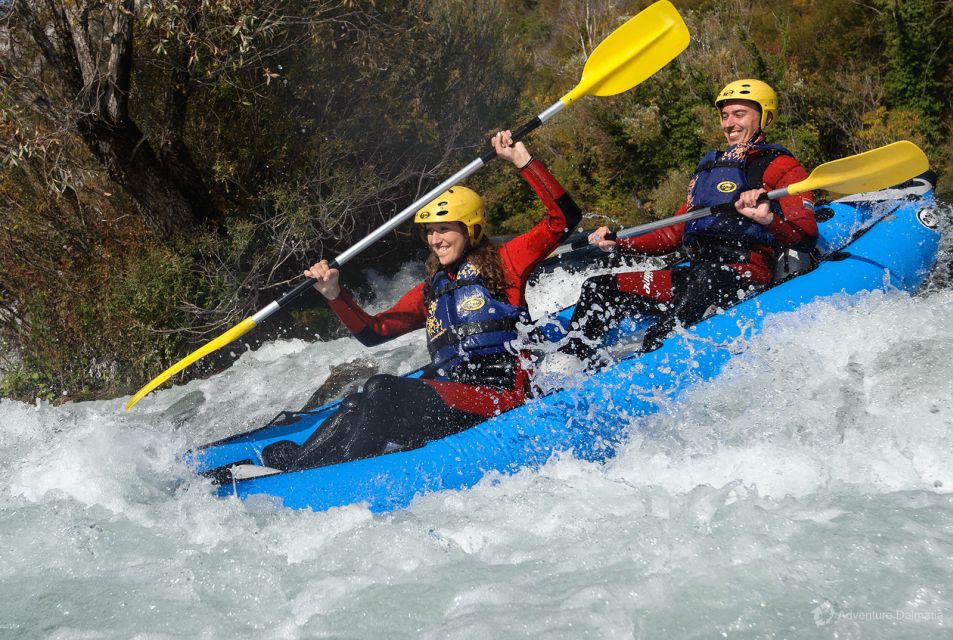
[120, 62]
[65, 67]
[180, 80]
[72, 30]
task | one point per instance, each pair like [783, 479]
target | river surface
[805, 493]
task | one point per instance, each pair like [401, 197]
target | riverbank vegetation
[169, 167]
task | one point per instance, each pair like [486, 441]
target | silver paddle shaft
[456, 178]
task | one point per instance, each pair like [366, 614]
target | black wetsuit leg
[390, 414]
[601, 306]
[695, 289]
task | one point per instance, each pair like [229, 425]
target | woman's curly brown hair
[485, 257]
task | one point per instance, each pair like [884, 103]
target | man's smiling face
[740, 120]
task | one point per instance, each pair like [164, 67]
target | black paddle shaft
[518, 135]
[301, 288]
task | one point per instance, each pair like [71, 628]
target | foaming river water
[805, 493]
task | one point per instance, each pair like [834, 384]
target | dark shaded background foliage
[309, 123]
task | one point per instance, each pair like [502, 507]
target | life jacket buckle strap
[455, 335]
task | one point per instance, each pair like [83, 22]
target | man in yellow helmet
[729, 252]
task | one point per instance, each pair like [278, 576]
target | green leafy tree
[916, 34]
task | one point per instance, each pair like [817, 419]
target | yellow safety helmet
[457, 204]
[755, 91]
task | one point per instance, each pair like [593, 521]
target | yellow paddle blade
[633, 52]
[232, 334]
[869, 171]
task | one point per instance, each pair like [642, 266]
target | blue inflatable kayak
[880, 240]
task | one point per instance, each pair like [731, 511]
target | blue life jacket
[464, 320]
[719, 179]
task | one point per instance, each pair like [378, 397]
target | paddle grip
[518, 135]
[303, 286]
[582, 244]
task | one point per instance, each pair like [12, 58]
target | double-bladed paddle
[628, 56]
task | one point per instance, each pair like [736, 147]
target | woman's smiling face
[448, 240]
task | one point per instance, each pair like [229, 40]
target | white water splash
[804, 493]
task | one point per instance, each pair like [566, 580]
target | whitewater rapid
[807, 492]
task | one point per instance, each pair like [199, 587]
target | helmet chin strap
[760, 132]
[756, 135]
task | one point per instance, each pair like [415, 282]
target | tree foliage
[914, 33]
[169, 167]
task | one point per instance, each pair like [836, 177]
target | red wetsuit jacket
[794, 227]
[519, 257]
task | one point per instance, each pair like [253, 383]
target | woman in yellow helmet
[728, 252]
[470, 303]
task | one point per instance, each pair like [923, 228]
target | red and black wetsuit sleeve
[795, 225]
[656, 285]
[371, 330]
[658, 242]
[523, 253]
